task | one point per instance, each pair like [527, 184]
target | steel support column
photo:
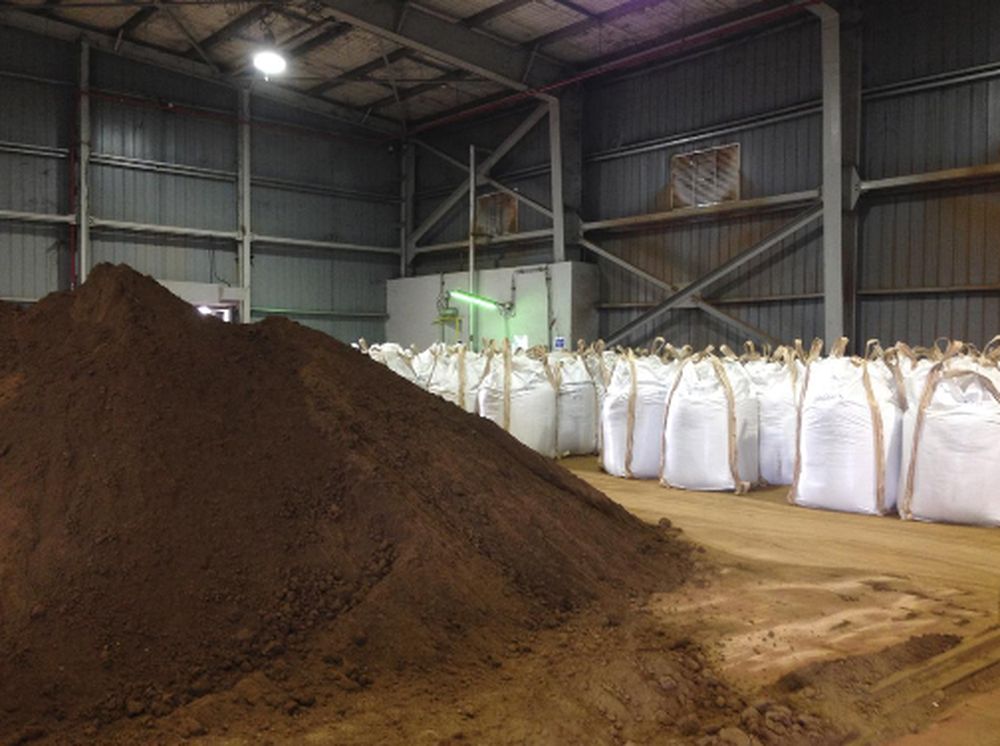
[833, 226]
[407, 188]
[244, 208]
[83, 166]
[556, 182]
[851, 41]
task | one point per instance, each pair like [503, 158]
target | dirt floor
[800, 589]
[886, 630]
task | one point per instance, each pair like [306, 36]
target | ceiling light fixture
[269, 62]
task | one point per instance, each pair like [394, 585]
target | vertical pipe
[473, 326]
[833, 226]
[83, 167]
[244, 206]
[408, 174]
[556, 182]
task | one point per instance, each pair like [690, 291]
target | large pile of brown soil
[183, 500]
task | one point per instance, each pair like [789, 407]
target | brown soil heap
[182, 500]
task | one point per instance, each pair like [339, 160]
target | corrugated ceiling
[358, 69]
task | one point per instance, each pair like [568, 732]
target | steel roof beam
[105, 42]
[455, 44]
[593, 21]
[136, 20]
[494, 11]
[233, 28]
[358, 73]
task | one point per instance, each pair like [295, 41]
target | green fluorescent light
[475, 300]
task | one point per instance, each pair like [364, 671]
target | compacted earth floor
[798, 627]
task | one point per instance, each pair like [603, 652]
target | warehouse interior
[710, 279]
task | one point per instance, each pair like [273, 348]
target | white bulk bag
[519, 394]
[454, 374]
[441, 371]
[577, 408]
[849, 437]
[710, 428]
[954, 462]
[600, 364]
[913, 372]
[425, 363]
[778, 409]
[778, 387]
[395, 357]
[632, 416]
[477, 367]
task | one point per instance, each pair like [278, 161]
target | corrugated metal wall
[929, 263]
[635, 124]
[525, 169]
[927, 260]
[36, 108]
[165, 153]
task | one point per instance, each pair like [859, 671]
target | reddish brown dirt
[184, 503]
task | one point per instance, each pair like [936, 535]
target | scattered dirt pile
[182, 501]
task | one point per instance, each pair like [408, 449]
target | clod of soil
[184, 502]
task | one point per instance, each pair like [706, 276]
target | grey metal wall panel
[28, 54]
[786, 321]
[908, 39]
[682, 253]
[110, 72]
[485, 133]
[929, 267]
[932, 130]
[169, 258]
[774, 159]
[525, 168]
[36, 113]
[33, 183]
[33, 260]
[162, 199]
[151, 133]
[280, 212]
[769, 72]
[321, 282]
[286, 153]
[154, 134]
[920, 319]
[455, 225]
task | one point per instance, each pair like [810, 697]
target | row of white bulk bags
[951, 467]
[632, 415]
[709, 433]
[520, 394]
[850, 436]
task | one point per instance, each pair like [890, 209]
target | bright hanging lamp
[270, 62]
